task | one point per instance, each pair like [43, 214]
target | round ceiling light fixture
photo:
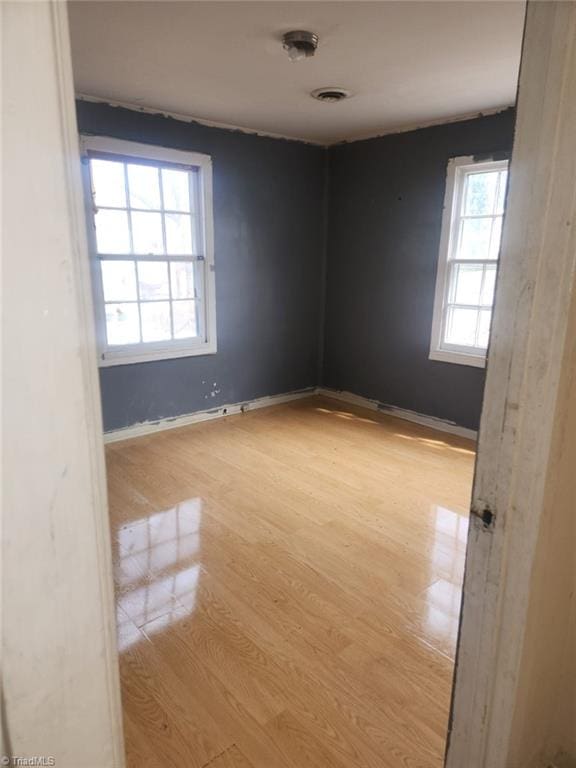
[300, 44]
[331, 95]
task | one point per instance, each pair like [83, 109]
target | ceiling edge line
[182, 117]
[407, 128]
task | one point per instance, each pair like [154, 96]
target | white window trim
[439, 351]
[149, 351]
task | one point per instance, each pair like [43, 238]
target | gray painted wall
[268, 231]
[325, 269]
[384, 220]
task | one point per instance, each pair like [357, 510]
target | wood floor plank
[174, 719]
[288, 586]
[336, 697]
[230, 758]
[140, 745]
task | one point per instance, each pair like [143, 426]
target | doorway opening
[292, 334]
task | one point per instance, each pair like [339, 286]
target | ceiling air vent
[330, 94]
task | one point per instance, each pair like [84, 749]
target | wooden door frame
[60, 688]
[89, 352]
[535, 292]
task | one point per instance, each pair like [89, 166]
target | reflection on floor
[288, 586]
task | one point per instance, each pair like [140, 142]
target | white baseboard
[149, 427]
[399, 413]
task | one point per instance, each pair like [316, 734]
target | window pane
[196, 190]
[496, 238]
[475, 239]
[461, 327]
[112, 235]
[484, 328]
[467, 282]
[176, 190]
[155, 321]
[178, 234]
[182, 279]
[489, 284]
[481, 191]
[118, 280]
[122, 326]
[144, 186]
[502, 192]
[147, 233]
[153, 280]
[184, 314]
[108, 183]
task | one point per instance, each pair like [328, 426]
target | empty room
[300, 312]
[292, 343]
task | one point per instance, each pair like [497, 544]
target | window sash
[451, 295]
[138, 301]
[148, 257]
[194, 199]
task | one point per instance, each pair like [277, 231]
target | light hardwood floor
[288, 585]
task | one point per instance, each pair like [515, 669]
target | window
[468, 260]
[151, 243]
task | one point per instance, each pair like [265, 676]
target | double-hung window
[468, 260]
[151, 243]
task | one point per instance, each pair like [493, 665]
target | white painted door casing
[60, 673]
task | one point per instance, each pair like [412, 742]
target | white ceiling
[407, 63]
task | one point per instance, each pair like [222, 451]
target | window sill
[129, 356]
[460, 358]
